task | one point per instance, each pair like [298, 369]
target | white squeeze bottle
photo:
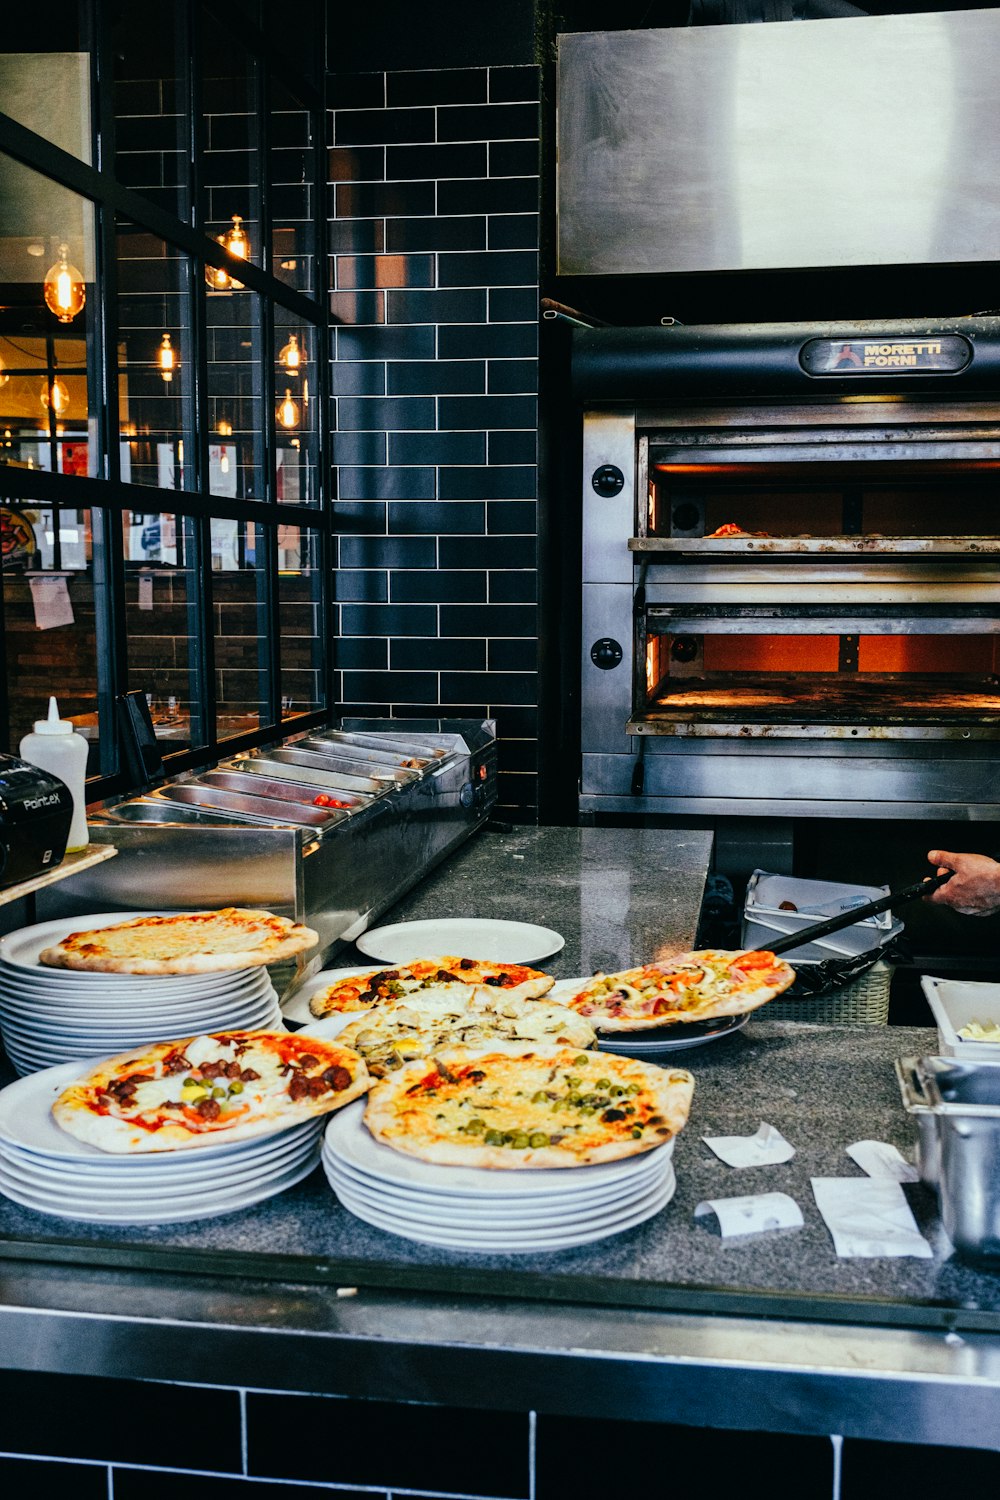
[55, 746]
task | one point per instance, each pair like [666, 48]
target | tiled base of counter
[134, 1440]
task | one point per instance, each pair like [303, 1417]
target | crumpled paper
[879, 1159]
[869, 1217]
[766, 1148]
[752, 1213]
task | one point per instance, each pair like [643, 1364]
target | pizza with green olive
[511, 1108]
[459, 977]
[691, 987]
[204, 1090]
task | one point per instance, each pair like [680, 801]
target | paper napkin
[879, 1159]
[868, 1216]
[752, 1214]
[765, 1149]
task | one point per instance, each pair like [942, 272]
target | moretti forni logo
[946, 354]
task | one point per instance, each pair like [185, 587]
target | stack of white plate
[49, 1016]
[45, 1169]
[490, 1212]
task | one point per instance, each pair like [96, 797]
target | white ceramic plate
[165, 1166]
[132, 992]
[348, 1140]
[461, 937]
[210, 1016]
[203, 1204]
[502, 1244]
[296, 1007]
[655, 1040]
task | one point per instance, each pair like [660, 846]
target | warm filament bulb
[56, 396]
[291, 356]
[235, 239]
[224, 428]
[167, 358]
[4, 377]
[64, 289]
[288, 412]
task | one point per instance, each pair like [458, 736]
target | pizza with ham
[400, 1031]
[690, 987]
[511, 1108]
[200, 942]
[205, 1090]
[457, 977]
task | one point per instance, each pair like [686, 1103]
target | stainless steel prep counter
[775, 1335]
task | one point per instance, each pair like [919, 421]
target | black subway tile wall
[434, 267]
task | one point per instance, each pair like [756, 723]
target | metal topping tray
[195, 793]
[343, 765]
[274, 764]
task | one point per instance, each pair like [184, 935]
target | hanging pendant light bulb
[224, 427]
[288, 412]
[167, 358]
[236, 241]
[54, 395]
[292, 356]
[216, 279]
[64, 289]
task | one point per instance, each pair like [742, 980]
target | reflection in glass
[300, 619]
[292, 188]
[161, 614]
[44, 354]
[296, 412]
[45, 74]
[236, 455]
[155, 367]
[151, 131]
[239, 608]
[48, 601]
[231, 161]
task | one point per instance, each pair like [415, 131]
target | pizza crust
[89, 1109]
[403, 1114]
[183, 943]
[734, 1002]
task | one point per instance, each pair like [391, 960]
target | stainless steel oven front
[791, 603]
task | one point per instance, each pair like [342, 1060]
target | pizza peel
[857, 914]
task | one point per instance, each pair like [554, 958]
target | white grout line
[532, 1452]
[243, 1430]
[111, 1483]
[838, 1450]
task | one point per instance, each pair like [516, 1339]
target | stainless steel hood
[869, 141]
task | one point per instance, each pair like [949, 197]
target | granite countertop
[618, 896]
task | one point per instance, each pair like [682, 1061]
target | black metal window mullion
[201, 628]
[324, 451]
[111, 637]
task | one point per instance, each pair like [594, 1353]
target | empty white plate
[461, 937]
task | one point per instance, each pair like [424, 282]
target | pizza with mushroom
[458, 977]
[690, 987]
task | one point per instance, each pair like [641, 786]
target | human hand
[974, 888]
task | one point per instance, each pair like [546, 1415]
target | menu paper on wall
[50, 600]
[766, 1148]
[752, 1213]
[145, 590]
[868, 1217]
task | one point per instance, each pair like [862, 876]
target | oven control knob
[608, 480]
[467, 795]
[606, 653]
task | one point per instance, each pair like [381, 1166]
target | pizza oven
[791, 569]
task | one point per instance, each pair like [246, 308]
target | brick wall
[434, 240]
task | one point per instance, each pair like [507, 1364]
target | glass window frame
[105, 494]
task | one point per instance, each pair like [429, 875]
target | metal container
[765, 920]
[957, 1108]
[248, 832]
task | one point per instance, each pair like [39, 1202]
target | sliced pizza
[200, 942]
[399, 1031]
[691, 987]
[459, 976]
[509, 1108]
[204, 1090]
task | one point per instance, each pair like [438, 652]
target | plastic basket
[863, 1002]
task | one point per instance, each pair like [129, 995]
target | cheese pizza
[691, 987]
[508, 1108]
[399, 1031]
[200, 942]
[459, 977]
[204, 1090]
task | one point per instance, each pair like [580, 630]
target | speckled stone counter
[771, 1332]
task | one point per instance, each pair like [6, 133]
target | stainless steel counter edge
[930, 1387]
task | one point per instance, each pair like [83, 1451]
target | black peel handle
[858, 914]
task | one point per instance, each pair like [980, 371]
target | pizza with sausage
[458, 977]
[199, 942]
[510, 1108]
[204, 1090]
[691, 987]
[396, 1032]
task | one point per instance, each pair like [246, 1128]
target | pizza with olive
[400, 1031]
[510, 1108]
[690, 987]
[459, 977]
[199, 942]
[204, 1090]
